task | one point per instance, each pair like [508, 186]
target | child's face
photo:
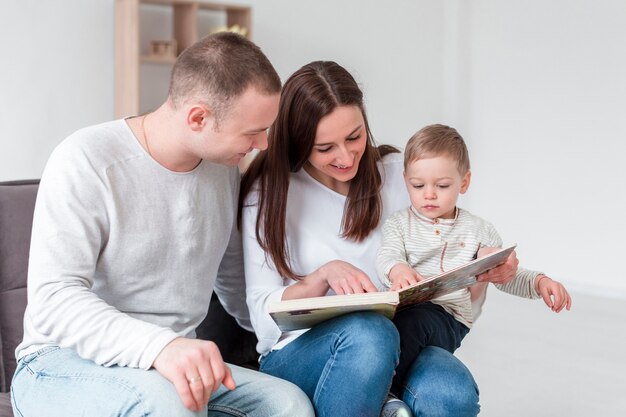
[434, 185]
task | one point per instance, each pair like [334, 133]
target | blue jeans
[56, 382]
[344, 365]
[421, 325]
[439, 385]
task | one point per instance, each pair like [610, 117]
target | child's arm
[391, 262]
[553, 293]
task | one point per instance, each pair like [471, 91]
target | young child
[434, 235]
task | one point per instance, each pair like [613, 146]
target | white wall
[393, 50]
[546, 109]
[537, 88]
[395, 53]
[56, 75]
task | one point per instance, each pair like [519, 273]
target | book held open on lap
[303, 313]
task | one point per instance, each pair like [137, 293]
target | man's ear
[199, 117]
[466, 181]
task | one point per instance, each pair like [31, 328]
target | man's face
[242, 128]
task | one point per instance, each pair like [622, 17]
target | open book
[306, 312]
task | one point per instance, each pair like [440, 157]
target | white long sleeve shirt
[313, 229]
[125, 254]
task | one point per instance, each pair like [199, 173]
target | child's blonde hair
[437, 140]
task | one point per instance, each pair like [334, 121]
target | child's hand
[553, 292]
[402, 275]
[501, 274]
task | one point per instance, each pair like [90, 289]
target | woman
[311, 209]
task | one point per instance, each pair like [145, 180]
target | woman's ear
[466, 182]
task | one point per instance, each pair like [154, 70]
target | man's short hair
[219, 68]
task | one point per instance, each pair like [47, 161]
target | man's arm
[230, 285]
[70, 228]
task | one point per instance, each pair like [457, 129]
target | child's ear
[466, 182]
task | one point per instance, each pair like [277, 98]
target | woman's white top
[313, 229]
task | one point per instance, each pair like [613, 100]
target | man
[134, 227]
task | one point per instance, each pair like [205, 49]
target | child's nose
[430, 194]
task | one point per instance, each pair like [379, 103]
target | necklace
[145, 136]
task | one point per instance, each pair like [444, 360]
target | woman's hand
[402, 275]
[501, 274]
[342, 277]
[345, 278]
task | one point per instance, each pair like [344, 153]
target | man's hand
[501, 274]
[402, 275]
[196, 369]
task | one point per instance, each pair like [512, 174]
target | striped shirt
[433, 246]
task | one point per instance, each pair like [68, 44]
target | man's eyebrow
[348, 135]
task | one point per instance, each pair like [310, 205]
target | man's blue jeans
[344, 365]
[56, 382]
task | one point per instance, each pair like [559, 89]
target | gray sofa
[17, 200]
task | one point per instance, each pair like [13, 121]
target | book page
[452, 280]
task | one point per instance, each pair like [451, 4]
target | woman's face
[340, 141]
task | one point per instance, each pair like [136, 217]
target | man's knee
[261, 395]
[289, 400]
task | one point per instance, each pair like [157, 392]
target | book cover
[304, 313]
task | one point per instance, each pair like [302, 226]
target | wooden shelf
[156, 59]
[185, 17]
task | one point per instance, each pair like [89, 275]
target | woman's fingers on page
[344, 285]
[367, 284]
[337, 287]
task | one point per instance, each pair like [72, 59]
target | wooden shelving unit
[128, 57]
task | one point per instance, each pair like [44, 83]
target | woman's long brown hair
[311, 93]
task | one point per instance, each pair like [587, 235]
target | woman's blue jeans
[344, 365]
[439, 385]
[57, 382]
